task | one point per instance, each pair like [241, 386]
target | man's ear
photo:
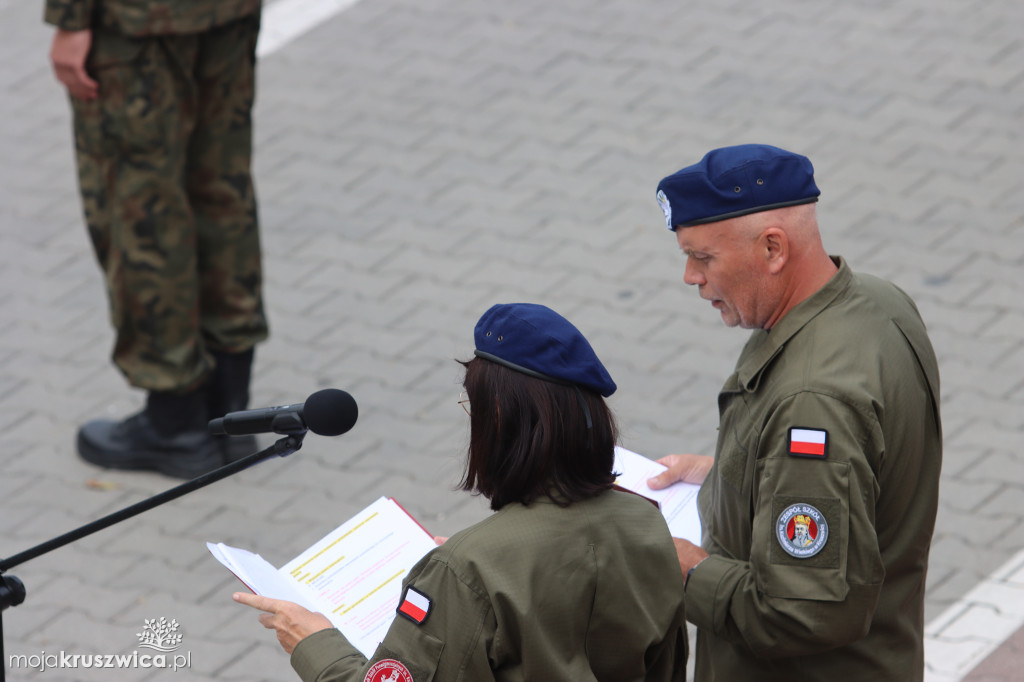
[775, 246]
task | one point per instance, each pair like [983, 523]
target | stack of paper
[353, 575]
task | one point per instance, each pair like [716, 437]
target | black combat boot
[228, 391]
[169, 435]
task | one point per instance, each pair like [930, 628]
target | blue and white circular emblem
[802, 530]
[665, 207]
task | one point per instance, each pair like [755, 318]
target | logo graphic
[802, 530]
[160, 634]
[388, 670]
[665, 207]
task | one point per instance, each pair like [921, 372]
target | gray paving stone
[261, 661]
[980, 529]
[963, 498]
[957, 575]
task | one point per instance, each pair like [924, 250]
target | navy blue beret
[537, 341]
[735, 181]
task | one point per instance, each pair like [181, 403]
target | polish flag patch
[811, 443]
[414, 605]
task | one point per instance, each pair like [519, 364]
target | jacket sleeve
[70, 15]
[790, 602]
[449, 644]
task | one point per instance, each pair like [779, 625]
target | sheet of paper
[259, 575]
[678, 502]
[356, 570]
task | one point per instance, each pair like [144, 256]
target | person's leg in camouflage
[161, 255]
[223, 201]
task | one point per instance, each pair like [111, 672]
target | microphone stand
[12, 590]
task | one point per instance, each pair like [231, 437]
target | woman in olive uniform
[570, 579]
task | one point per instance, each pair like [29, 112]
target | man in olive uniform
[819, 504]
[162, 94]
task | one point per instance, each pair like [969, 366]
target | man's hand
[689, 554]
[292, 622]
[68, 54]
[686, 468]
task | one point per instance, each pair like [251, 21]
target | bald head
[799, 223]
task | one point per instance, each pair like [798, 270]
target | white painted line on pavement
[971, 629]
[285, 20]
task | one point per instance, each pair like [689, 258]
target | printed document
[678, 502]
[353, 575]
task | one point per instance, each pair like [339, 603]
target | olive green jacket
[592, 591]
[852, 362]
[146, 17]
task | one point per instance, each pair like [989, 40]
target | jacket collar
[764, 345]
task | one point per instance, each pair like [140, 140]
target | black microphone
[329, 412]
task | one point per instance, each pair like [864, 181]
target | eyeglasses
[464, 401]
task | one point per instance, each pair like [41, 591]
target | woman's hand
[292, 622]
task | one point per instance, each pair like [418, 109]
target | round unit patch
[388, 670]
[802, 530]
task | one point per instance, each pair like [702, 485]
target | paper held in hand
[353, 575]
[678, 502]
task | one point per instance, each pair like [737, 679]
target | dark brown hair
[529, 438]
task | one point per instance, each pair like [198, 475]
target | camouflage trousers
[164, 174]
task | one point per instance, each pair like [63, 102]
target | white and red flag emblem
[414, 605]
[808, 442]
